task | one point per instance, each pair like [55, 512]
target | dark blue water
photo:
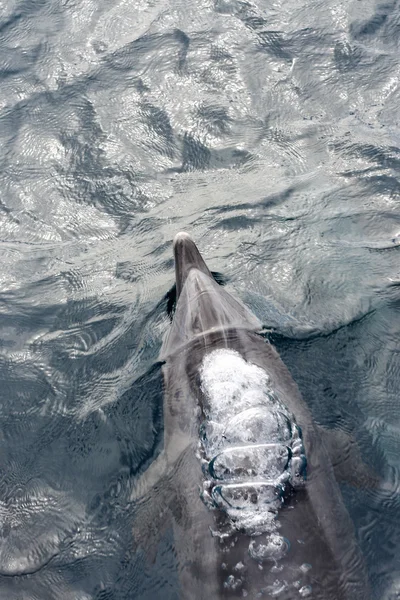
[270, 132]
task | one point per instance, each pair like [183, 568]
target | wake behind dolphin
[245, 479]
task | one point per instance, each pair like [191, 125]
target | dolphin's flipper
[149, 497]
[155, 502]
[150, 478]
[150, 524]
[347, 460]
[160, 511]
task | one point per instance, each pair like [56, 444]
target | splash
[251, 448]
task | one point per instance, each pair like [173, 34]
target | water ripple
[270, 131]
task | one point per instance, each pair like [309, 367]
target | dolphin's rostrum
[245, 478]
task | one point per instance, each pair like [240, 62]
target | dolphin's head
[187, 257]
[202, 306]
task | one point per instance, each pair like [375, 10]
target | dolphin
[245, 479]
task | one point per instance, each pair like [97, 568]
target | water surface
[270, 132]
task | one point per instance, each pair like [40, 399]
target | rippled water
[270, 132]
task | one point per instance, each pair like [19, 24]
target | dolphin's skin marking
[248, 483]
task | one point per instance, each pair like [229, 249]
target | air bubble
[258, 425]
[232, 582]
[243, 496]
[305, 591]
[299, 466]
[273, 547]
[249, 462]
[276, 588]
[250, 445]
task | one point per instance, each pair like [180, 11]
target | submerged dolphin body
[246, 479]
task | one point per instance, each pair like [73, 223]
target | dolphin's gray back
[323, 561]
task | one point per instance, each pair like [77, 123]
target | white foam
[272, 547]
[241, 406]
[228, 379]
[244, 440]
